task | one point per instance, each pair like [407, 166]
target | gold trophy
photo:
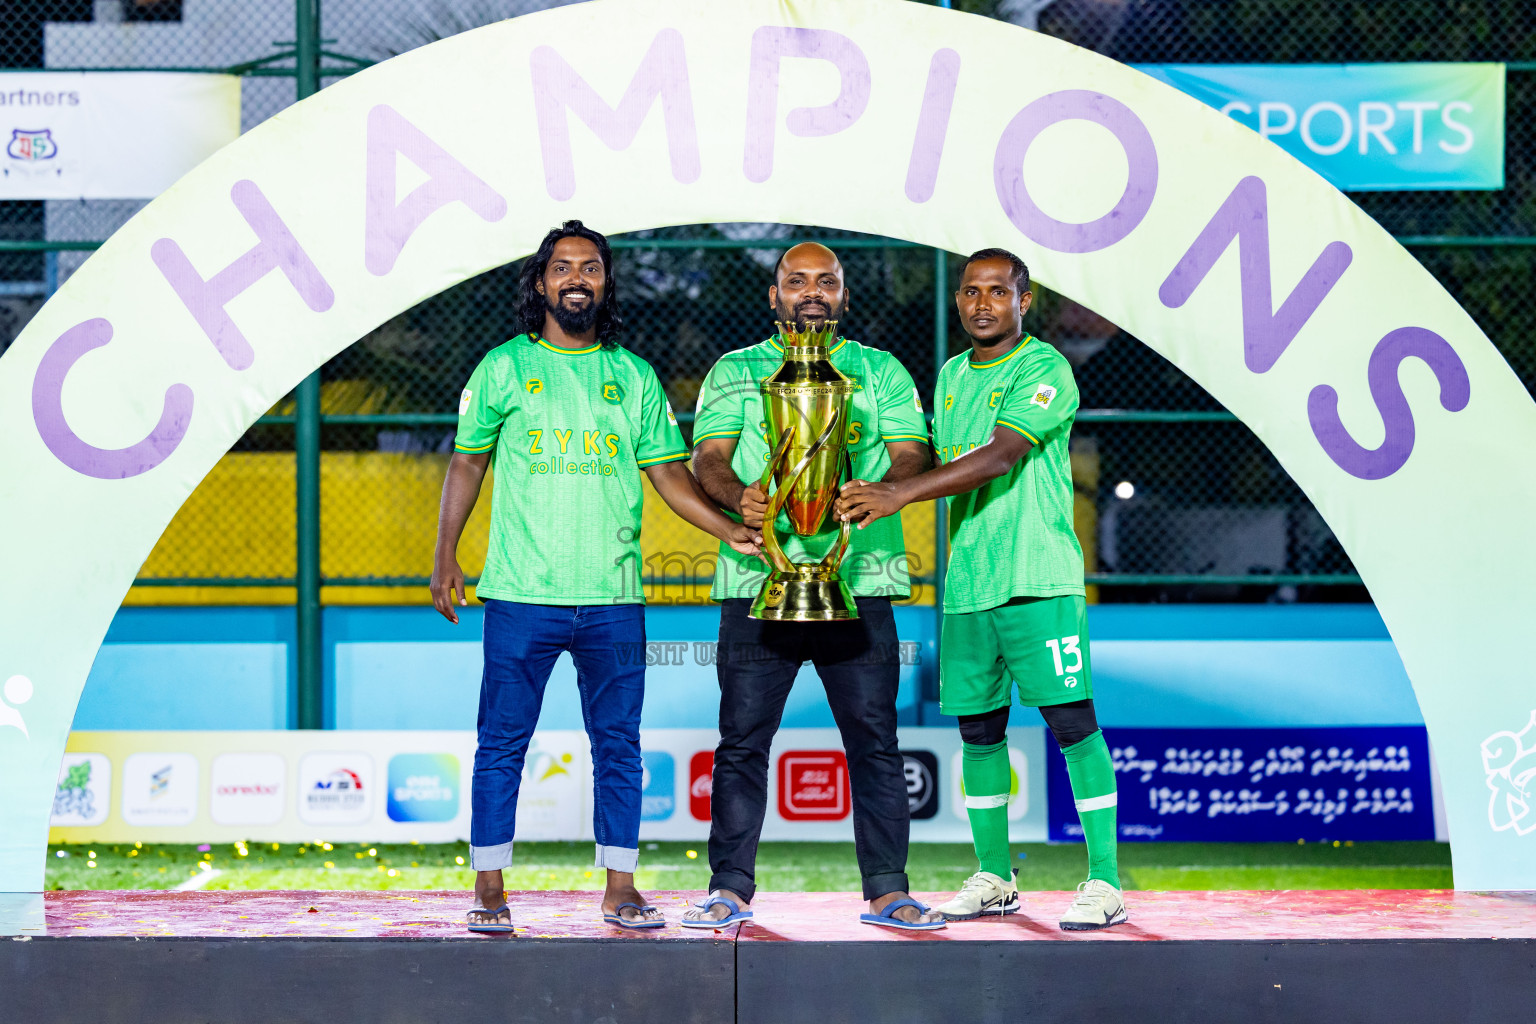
[806, 402]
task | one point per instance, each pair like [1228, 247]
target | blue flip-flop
[494, 928]
[639, 923]
[736, 913]
[885, 920]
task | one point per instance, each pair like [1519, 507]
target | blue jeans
[522, 641]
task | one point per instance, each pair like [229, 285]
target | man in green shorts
[1014, 613]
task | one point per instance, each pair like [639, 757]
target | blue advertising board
[1261, 785]
[1365, 126]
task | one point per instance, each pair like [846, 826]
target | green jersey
[886, 407]
[1011, 537]
[571, 429]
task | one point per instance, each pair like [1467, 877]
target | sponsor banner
[1366, 127]
[248, 789]
[85, 790]
[109, 134]
[159, 789]
[1259, 785]
[285, 786]
[423, 787]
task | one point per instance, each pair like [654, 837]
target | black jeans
[858, 663]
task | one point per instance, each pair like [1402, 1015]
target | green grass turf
[782, 867]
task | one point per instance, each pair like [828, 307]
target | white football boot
[982, 893]
[1097, 905]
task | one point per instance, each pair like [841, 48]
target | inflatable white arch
[1373, 388]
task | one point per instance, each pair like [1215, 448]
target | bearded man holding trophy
[780, 426]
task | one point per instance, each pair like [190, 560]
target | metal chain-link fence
[1176, 500]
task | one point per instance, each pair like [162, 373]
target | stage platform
[335, 957]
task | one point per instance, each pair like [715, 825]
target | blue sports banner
[1366, 127]
[1261, 785]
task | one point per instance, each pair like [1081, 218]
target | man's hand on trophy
[448, 587]
[745, 540]
[754, 505]
[862, 502]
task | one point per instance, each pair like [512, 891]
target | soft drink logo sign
[701, 770]
[813, 785]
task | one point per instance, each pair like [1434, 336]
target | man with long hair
[857, 660]
[571, 420]
[1014, 612]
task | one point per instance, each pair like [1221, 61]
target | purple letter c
[67, 447]
[1075, 105]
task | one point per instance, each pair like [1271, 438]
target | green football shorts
[1039, 644]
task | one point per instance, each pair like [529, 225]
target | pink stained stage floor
[792, 917]
[1367, 957]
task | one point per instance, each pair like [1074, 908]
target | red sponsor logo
[701, 770]
[813, 785]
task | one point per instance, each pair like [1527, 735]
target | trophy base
[809, 593]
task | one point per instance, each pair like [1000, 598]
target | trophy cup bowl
[806, 402]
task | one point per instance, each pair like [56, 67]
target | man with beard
[571, 420]
[1014, 616]
[857, 660]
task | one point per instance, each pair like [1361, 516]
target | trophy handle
[845, 533]
[771, 543]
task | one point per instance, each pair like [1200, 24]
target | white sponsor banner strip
[398, 786]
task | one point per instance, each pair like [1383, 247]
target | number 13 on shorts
[1067, 656]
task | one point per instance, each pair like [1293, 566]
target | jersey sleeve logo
[464, 401]
[671, 418]
[614, 393]
[534, 385]
[917, 398]
[949, 402]
[1044, 394]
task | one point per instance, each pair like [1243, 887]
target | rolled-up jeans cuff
[735, 882]
[490, 858]
[876, 886]
[618, 858]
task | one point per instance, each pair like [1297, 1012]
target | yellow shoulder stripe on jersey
[473, 451]
[904, 437]
[1013, 426]
[1000, 360]
[716, 433]
[653, 460]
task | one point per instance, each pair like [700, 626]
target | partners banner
[1365, 127]
[110, 134]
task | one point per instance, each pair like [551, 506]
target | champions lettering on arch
[558, 90]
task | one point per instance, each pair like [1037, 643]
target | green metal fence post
[941, 506]
[306, 444]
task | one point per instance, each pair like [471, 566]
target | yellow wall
[378, 517]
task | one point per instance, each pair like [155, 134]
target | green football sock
[988, 779]
[1092, 774]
